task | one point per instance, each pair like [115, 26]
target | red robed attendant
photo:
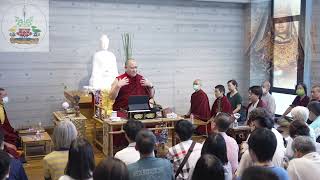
[200, 107]
[221, 104]
[10, 136]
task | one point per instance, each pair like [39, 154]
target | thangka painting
[276, 44]
[24, 25]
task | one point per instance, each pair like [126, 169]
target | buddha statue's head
[104, 40]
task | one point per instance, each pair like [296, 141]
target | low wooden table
[41, 140]
[110, 126]
[79, 122]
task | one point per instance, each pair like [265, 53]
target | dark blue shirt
[16, 170]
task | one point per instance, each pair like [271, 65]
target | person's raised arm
[116, 86]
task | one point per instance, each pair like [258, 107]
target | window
[288, 56]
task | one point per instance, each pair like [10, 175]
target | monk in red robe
[128, 84]
[200, 107]
[221, 104]
[11, 138]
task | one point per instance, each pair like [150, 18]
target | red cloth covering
[221, 105]
[133, 88]
[200, 108]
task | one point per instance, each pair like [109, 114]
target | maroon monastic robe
[200, 108]
[121, 102]
[10, 136]
[133, 88]
[221, 104]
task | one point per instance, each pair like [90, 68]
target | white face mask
[196, 87]
[5, 100]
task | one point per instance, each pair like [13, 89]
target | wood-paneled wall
[175, 42]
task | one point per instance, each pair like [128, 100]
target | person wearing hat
[314, 116]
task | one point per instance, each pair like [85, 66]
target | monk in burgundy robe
[128, 84]
[221, 104]
[11, 137]
[200, 107]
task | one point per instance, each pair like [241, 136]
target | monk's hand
[10, 146]
[145, 82]
[123, 82]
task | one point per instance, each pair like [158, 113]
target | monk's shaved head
[131, 67]
[198, 82]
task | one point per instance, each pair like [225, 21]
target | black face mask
[309, 121]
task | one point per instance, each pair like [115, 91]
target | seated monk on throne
[11, 138]
[200, 107]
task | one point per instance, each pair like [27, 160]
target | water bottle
[235, 123]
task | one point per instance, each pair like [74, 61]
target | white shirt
[305, 168]
[129, 154]
[66, 177]
[270, 101]
[277, 159]
[251, 108]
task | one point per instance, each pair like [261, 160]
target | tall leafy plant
[127, 45]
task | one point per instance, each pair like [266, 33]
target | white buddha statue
[104, 68]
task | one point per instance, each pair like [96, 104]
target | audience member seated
[314, 117]
[234, 96]
[111, 169]
[306, 164]
[55, 163]
[302, 113]
[221, 104]
[296, 128]
[258, 173]
[80, 161]
[267, 98]
[4, 165]
[255, 94]
[200, 107]
[262, 146]
[177, 153]
[11, 138]
[301, 99]
[208, 167]
[129, 154]
[149, 167]
[315, 93]
[220, 125]
[16, 168]
[261, 118]
[215, 145]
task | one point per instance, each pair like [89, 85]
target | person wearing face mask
[301, 99]
[221, 104]
[11, 138]
[200, 107]
[268, 98]
[314, 117]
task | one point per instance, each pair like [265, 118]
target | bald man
[315, 93]
[200, 107]
[268, 98]
[128, 84]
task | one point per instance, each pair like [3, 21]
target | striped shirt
[54, 164]
[177, 153]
